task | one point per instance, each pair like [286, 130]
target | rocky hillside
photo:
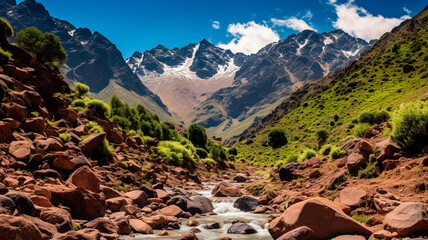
[363, 85]
[91, 58]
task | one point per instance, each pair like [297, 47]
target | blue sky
[240, 25]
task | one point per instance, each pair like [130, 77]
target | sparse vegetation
[81, 89]
[65, 137]
[277, 138]
[4, 56]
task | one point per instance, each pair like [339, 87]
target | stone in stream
[241, 228]
[193, 205]
[246, 203]
[225, 189]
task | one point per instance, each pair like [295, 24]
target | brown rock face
[156, 221]
[352, 197]
[85, 178]
[387, 147]
[20, 150]
[300, 233]
[140, 226]
[171, 210]
[408, 219]
[90, 144]
[116, 204]
[324, 217]
[225, 189]
[12, 228]
[138, 197]
[58, 217]
[48, 230]
[5, 132]
[103, 225]
[16, 111]
[188, 236]
[36, 125]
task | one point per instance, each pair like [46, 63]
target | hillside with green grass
[347, 103]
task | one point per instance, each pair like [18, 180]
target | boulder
[16, 111]
[5, 132]
[90, 144]
[387, 147]
[69, 115]
[23, 204]
[193, 205]
[138, 197]
[171, 210]
[240, 178]
[156, 221]
[246, 203]
[85, 178]
[48, 230]
[151, 193]
[385, 203]
[349, 237]
[241, 228]
[20, 150]
[286, 172]
[116, 204]
[103, 225]
[352, 197]
[109, 192]
[36, 125]
[408, 219]
[189, 235]
[46, 173]
[50, 144]
[13, 228]
[300, 233]
[225, 189]
[357, 154]
[59, 217]
[140, 226]
[83, 204]
[41, 201]
[124, 226]
[7, 206]
[84, 234]
[324, 217]
[162, 195]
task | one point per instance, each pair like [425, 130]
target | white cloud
[308, 15]
[216, 25]
[249, 37]
[357, 22]
[407, 10]
[293, 23]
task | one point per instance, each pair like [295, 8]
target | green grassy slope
[375, 82]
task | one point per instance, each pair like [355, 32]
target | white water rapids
[226, 214]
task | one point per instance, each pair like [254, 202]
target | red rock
[20, 150]
[90, 144]
[7, 206]
[63, 162]
[12, 228]
[50, 144]
[240, 178]
[115, 136]
[156, 221]
[300, 233]
[387, 147]
[355, 161]
[162, 195]
[69, 115]
[325, 218]
[171, 210]
[124, 226]
[36, 125]
[224, 189]
[103, 225]
[16, 111]
[5, 132]
[81, 130]
[58, 217]
[140, 226]
[385, 203]
[366, 146]
[352, 197]
[41, 201]
[408, 219]
[130, 209]
[109, 192]
[48, 230]
[33, 98]
[85, 178]
[116, 204]
[188, 236]
[138, 197]
[84, 234]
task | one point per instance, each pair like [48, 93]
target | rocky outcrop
[408, 219]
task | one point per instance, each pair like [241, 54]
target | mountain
[182, 77]
[217, 89]
[391, 73]
[91, 58]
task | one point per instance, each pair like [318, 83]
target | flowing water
[226, 214]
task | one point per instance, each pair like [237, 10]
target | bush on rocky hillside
[4, 56]
[410, 126]
[277, 138]
[197, 135]
[6, 29]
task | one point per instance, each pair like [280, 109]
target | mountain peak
[205, 42]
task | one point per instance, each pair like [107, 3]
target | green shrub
[202, 153]
[336, 153]
[369, 171]
[94, 127]
[197, 135]
[307, 154]
[410, 126]
[45, 46]
[174, 152]
[81, 89]
[4, 56]
[232, 151]
[76, 226]
[218, 153]
[326, 149]
[360, 218]
[6, 29]
[123, 122]
[79, 103]
[374, 117]
[249, 141]
[361, 129]
[147, 140]
[65, 137]
[124, 164]
[322, 136]
[277, 138]
[105, 149]
[99, 106]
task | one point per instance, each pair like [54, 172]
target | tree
[322, 136]
[6, 30]
[197, 135]
[277, 138]
[81, 89]
[46, 47]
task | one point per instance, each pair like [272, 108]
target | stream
[226, 214]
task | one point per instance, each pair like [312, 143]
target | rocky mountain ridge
[91, 58]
